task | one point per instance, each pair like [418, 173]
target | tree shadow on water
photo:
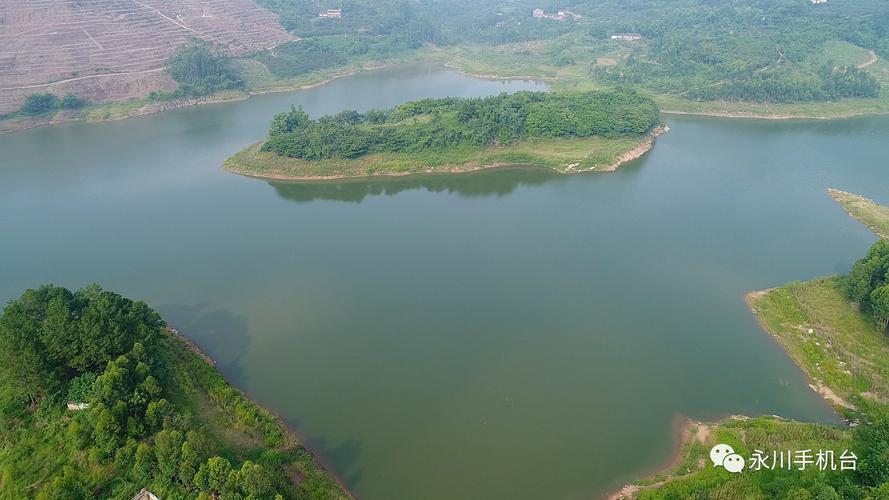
[342, 458]
[493, 182]
[219, 333]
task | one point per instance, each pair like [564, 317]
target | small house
[331, 14]
[75, 406]
[626, 36]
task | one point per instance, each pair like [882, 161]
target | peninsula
[99, 398]
[567, 132]
[835, 330]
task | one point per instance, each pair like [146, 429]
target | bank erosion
[566, 132]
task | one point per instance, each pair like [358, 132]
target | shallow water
[506, 334]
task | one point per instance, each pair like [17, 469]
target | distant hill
[107, 50]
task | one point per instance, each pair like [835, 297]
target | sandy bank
[235, 165]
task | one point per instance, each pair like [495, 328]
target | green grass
[558, 154]
[745, 436]
[866, 211]
[844, 351]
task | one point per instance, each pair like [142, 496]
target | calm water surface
[503, 335]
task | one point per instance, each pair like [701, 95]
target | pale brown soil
[830, 396]
[637, 152]
[105, 51]
[873, 58]
[690, 429]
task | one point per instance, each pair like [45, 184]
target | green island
[100, 399]
[567, 132]
[835, 329]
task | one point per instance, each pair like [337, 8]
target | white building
[626, 36]
[331, 14]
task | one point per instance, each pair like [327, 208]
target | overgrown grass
[557, 154]
[868, 212]
[745, 436]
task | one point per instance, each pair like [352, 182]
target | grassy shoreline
[874, 216]
[565, 156]
[823, 334]
[843, 354]
[131, 108]
[308, 463]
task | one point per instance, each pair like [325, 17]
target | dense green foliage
[38, 104]
[410, 24]
[437, 124]
[868, 283]
[389, 28]
[734, 50]
[158, 415]
[199, 71]
[301, 56]
[741, 51]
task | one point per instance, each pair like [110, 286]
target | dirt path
[873, 59]
[39, 85]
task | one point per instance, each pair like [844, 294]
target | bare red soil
[108, 50]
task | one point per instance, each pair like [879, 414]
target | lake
[511, 334]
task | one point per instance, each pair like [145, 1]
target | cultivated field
[106, 50]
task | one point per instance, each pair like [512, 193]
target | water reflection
[222, 334]
[499, 182]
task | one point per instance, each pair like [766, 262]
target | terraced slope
[105, 50]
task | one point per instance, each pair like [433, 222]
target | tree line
[868, 283]
[437, 124]
[138, 430]
[760, 50]
[38, 104]
[200, 71]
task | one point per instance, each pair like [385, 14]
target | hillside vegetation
[153, 413]
[760, 51]
[773, 58]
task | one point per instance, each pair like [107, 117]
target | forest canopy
[149, 410]
[200, 71]
[868, 284]
[437, 124]
[733, 50]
